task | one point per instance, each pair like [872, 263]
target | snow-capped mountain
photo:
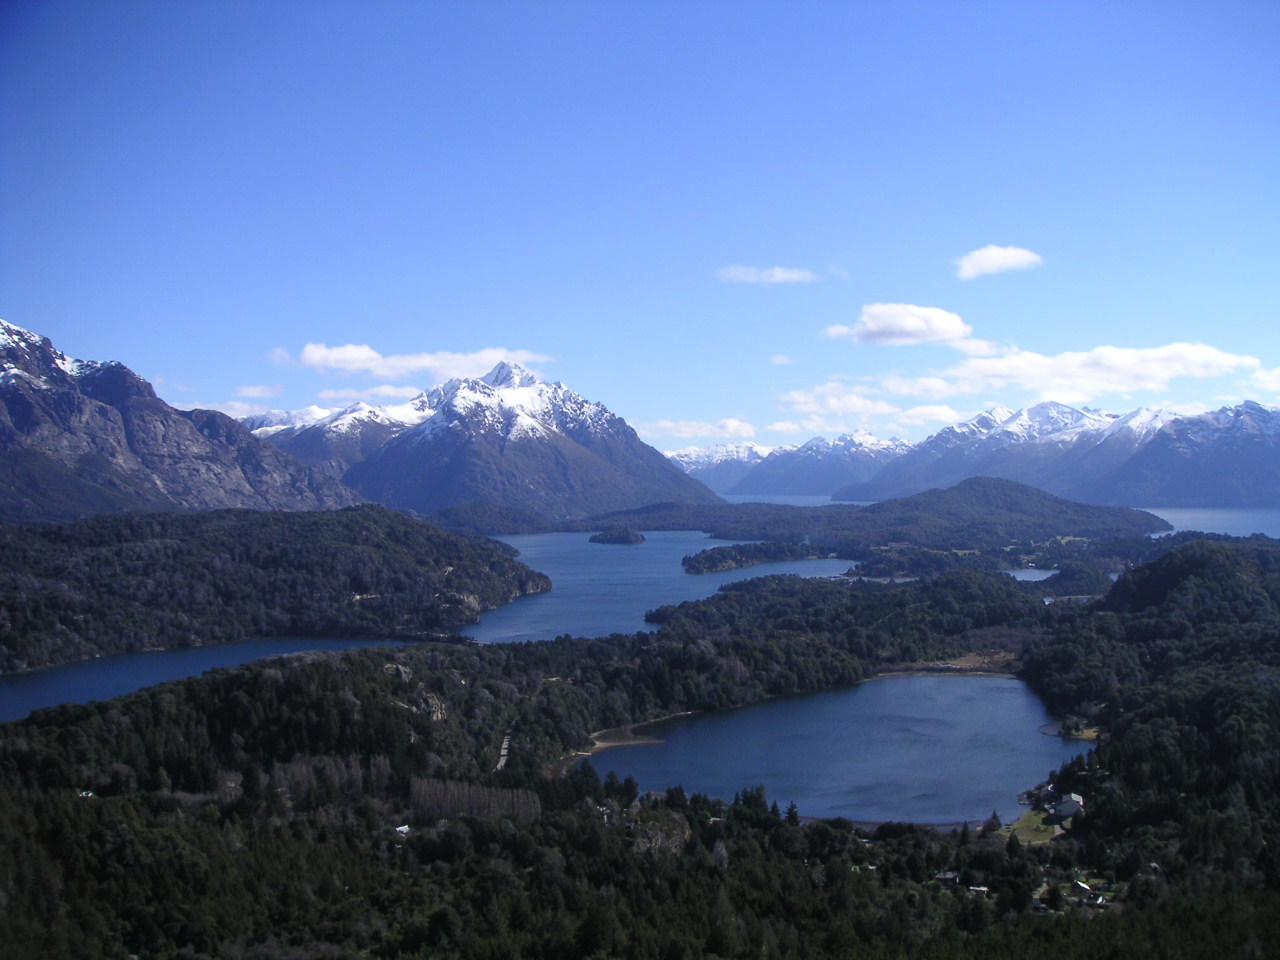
[1058, 448]
[84, 437]
[507, 439]
[722, 465]
[820, 466]
[1230, 457]
[333, 440]
[263, 425]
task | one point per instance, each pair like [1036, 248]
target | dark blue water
[923, 749]
[107, 677]
[599, 589]
[1234, 521]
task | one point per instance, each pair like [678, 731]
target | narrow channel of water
[122, 673]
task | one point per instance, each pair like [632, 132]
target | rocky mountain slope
[1230, 457]
[508, 439]
[80, 438]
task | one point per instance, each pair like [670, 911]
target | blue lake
[1235, 521]
[920, 749]
[598, 589]
[107, 677]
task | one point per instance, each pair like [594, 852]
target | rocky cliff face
[79, 438]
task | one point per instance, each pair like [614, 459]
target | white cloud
[232, 408]
[993, 259]
[729, 427]
[931, 413]
[786, 426]
[1188, 409]
[834, 397]
[383, 392]
[1268, 380]
[814, 425]
[980, 348]
[261, 390]
[780, 360]
[361, 358]
[280, 357]
[1079, 376]
[900, 323]
[769, 275]
[917, 386]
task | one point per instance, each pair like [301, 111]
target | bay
[599, 589]
[917, 749]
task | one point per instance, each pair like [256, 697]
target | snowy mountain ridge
[745, 450]
[508, 399]
[1081, 453]
[508, 438]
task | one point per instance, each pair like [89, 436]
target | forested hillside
[254, 812]
[150, 581]
[981, 512]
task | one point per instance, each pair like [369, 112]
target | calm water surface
[107, 677]
[921, 749]
[600, 588]
[1235, 521]
[1030, 574]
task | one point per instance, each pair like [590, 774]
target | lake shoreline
[628, 735]
[602, 740]
[899, 798]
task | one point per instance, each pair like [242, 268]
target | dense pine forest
[150, 581]
[355, 804]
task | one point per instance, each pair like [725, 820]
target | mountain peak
[506, 374]
[58, 413]
[11, 334]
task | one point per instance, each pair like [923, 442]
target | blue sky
[722, 220]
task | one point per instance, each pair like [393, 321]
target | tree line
[147, 581]
[253, 812]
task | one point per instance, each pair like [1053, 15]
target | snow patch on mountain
[690, 458]
[273, 421]
[12, 335]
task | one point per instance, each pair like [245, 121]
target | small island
[623, 536]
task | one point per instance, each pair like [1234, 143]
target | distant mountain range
[508, 439]
[721, 466]
[815, 468]
[82, 437]
[1229, 458]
